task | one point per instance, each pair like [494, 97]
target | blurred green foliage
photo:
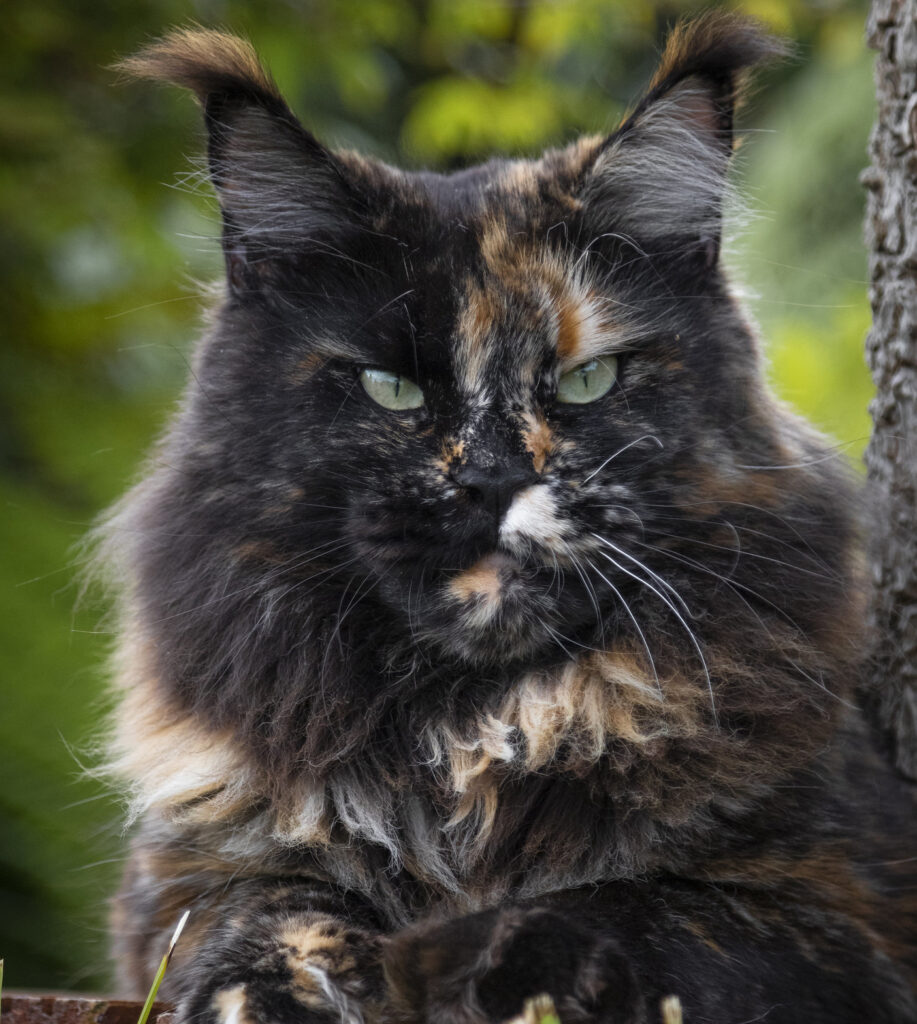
[100, 254]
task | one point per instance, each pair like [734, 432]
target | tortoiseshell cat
[488, 628]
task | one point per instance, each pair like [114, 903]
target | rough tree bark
[891, 349]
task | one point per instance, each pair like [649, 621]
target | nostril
[473, 491]
[493, 486]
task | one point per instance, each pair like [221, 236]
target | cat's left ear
[661, 177]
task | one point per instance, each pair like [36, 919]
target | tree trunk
[891, 349]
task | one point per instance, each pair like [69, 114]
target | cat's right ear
[661, 178]
[280, 190]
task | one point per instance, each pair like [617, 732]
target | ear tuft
[720, 46]
[207, 62]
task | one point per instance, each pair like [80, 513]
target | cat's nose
[494, 486]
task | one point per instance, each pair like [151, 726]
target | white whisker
[678, 616]
[633, 619]
[736, 588]
[611, 458]
[654, 576]
[590, 590]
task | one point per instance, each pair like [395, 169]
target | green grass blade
[161, 973]
[154, 988]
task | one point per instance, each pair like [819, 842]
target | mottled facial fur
[325, 584]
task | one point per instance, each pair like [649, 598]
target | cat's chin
[498, 610]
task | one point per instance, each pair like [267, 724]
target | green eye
[391, 390]
[589, 381]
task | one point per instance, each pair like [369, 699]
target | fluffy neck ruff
[600, 767]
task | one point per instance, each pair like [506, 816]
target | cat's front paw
[480, 969]
[319, 970]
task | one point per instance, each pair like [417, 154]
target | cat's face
[482, 406]
[501, 417]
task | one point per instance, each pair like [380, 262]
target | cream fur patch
[532, 516]
[231, 1007]
[572, 714]
[167, 759]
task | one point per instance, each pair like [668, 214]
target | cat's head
[497, 416]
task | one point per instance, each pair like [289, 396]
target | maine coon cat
[487, 627]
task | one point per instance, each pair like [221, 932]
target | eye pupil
[588, 382]
[391, 390]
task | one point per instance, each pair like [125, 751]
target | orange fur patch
[318, 939]
[495, 242]
[568, 332]
[306, 368]
[584, 324]
[538, 440]
[319, 953]
[479, 313]
[482, 580]
[451, 453]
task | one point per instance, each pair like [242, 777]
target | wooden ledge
[63, 1008]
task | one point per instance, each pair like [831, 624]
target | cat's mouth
[496, 609]
[501, 609]
[504, 604]
[486, 580]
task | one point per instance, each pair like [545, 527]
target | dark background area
[106, 232]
